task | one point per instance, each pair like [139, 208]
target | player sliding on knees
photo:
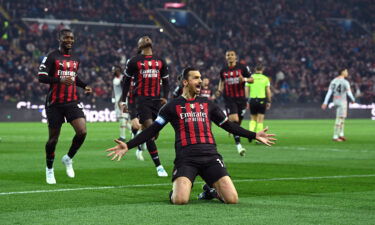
[196, 153]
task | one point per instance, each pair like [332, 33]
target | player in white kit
[340, 88]
[117, 92]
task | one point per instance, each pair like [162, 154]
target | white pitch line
[168, 184]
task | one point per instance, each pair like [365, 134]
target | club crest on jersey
[192, 106]
[68, 65]
[231, 73]
[201, 106]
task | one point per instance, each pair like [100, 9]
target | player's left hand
[163, 101]
[88, 90]
[268, 105]
[265, 138]
[324, 106]
[118, 151]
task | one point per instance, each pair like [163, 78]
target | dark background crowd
[302, 43]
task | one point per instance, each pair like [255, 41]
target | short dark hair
[342, 70]
[63, 31]
[185, 73]
[259, 67]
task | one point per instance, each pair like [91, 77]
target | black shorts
[58, 114]
[147, 108]
[257, 106]
[210, 168]
[132, 111]
[235, 105]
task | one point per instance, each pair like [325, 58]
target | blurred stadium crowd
[302, 43]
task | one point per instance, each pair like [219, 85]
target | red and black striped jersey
[54, 67]
[148, 72]
[206, 92]
[230, 76]
[191, 120]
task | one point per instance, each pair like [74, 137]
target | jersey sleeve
[131, 68]
[164, 115]
[164, 73]
[246, 71]
[221, 75]
[216, 114]
[45, 69]
[268, 83]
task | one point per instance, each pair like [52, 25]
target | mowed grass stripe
[166, 184]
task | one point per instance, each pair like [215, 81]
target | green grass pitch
[304, 179]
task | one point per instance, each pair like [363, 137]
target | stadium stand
[302, 43]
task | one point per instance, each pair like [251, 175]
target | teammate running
[232, 81]
[147, 72]
[59, 69]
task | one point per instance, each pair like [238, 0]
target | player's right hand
[69, 80]
[324, 106]
[118, 151]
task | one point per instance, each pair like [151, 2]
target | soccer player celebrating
[147, 71]
[59, 69]
[206, 90]
[117, 92]
[232, 80]
[340, 88]
[260, 98]
[196, 153]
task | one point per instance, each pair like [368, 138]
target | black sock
[236, 137]
[134, 131]
[50, 154]
[76, 144]
[151, 147]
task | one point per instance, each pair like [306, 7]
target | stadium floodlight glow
[173, 20]
[45, 9]
[161, 30]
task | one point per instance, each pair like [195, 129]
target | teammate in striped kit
[232, 84]
[59, 69]
[340, 88]
[147, 72]
[196, 153]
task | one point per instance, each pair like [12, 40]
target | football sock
[236, 137]
[341, 134]
[76, 144]
[259, 127]
[50, 154]
[252, 125]
[151, 147]
[336, 130]
[122, 127]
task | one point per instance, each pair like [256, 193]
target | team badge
[201, 106]
[231, 73]
[68, 65]
[192, 106]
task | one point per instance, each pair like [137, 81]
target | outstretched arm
[122, 148]
[261, 136]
